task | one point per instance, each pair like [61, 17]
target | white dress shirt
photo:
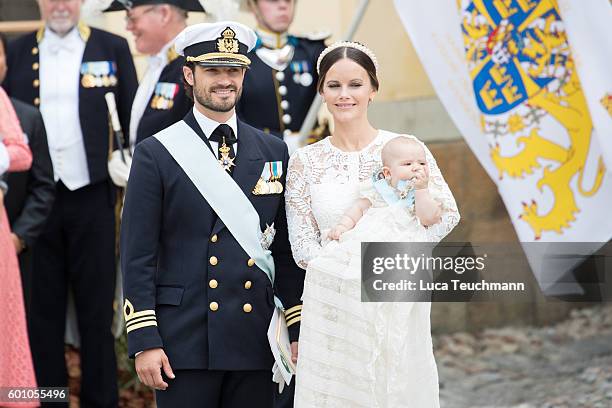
[157, 63]
[208, 126]
[60, 65]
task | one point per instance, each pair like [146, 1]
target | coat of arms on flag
[534, 112]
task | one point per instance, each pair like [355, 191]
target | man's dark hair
[189, 88]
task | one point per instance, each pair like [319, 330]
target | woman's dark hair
[353, 54]
[189, 88]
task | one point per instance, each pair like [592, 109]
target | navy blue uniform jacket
[189, 286]
[261, 104]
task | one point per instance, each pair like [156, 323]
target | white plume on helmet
[221, 9]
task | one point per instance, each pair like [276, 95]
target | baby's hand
[337, 231]
[420, 178]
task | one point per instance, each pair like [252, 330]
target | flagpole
[311, 117]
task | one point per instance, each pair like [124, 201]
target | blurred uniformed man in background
[281, 83]
[64, 69]
[160, 100]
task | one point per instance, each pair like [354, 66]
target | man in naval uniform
[204, 243]
[64, 69]
[281, 84]
[160, 99]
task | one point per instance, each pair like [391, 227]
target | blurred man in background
[160, 99]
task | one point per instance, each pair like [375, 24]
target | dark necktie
[224, 136]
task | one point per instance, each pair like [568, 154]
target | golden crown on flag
[350, 44]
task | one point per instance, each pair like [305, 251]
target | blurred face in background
[147, 24]
[2, 62]
[274, 15]
[60, 15]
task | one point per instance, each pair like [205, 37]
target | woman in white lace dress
[354, 354]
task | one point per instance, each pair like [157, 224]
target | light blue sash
[224, 195]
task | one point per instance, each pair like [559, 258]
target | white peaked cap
[223, 43]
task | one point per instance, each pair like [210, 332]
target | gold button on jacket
[214, 306]
[214, 238]
[247, 308]
[251, 262]
[213, 283]
[247, 285]
[213, 260]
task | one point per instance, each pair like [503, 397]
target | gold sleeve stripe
[292, 315]
[293, 321]
[135, 315]
[293, 309]
[142, 319]
[141, 325]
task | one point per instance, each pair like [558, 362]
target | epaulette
[315, 36]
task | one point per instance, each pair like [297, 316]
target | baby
[406, 171]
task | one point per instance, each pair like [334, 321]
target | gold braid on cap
[349, 44]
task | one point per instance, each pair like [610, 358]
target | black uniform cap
[187, 5]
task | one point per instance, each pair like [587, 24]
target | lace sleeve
[440, 192]
[304, 234]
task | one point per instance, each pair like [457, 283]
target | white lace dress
[354, 354]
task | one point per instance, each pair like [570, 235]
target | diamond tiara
[349, 44]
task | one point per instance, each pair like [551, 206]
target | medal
[226, 161]
[306, 79]
[88, 81]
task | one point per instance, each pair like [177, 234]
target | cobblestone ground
[561, 366]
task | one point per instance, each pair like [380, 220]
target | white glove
[277, 377]
[118, 170]
[293, 142]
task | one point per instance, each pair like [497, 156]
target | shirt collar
[83, 29]
[208, 125]
[166, 55]
[271, 39]
[69, 42]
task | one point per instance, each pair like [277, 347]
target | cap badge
[227, 42]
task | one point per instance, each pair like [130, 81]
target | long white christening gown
[354, 354]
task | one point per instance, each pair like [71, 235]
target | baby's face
[405, 161]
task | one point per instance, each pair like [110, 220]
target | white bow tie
[67, 44]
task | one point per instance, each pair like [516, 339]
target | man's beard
[206, 99]
[61, 23]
